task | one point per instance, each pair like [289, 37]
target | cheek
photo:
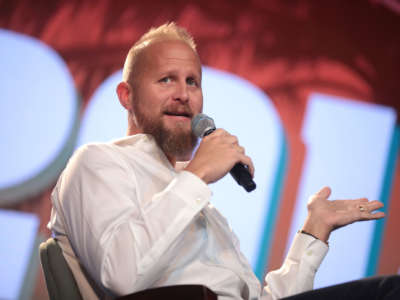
[198, 103]
[151, 100]
[158, 96]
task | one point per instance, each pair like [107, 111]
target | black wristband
[305, 232]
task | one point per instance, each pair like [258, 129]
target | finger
[366, 210]
[249, 163]
[378, 215]
[233, 140]
[325, 192]
[370, 206]
[220, 132]
[226, 136]
[225, 133]
[375, 204]
[365, 216]
[352, 201]
[354, 204]
[241, 150]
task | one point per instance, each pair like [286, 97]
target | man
[136, 215]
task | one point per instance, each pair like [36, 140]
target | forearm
[138, 252]
[298, 270]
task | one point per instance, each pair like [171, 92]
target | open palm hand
[325, 215]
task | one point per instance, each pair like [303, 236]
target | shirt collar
[148, 144]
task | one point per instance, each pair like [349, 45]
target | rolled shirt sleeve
[297, 273]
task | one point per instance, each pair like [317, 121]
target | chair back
[60, 281]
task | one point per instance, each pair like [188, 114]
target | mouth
[183, 114]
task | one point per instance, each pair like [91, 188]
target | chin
[179, 127]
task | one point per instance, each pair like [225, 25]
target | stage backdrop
[310, 89]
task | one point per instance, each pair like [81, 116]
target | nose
[181, 92]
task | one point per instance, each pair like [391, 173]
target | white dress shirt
[136, 222]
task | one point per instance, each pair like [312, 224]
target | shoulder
[93, 152]
[96, 156]
[117, 154]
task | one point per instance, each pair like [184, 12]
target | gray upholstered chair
[60, 281]
[61, 284]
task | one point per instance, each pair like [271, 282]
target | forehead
[166, 55]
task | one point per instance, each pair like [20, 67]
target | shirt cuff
[195, 192]
[308, 249]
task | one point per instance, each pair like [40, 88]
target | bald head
[166, 32]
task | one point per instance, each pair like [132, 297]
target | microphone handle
[239, 172]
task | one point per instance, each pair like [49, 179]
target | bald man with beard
[136, 213]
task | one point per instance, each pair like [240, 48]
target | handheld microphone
[203, 125]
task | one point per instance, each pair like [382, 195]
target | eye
[191, 81]
[165, 80]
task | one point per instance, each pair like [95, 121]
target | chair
[60, 281]
[61, 284]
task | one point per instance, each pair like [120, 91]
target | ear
[124, 92]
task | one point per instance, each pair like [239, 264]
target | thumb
[325, 192]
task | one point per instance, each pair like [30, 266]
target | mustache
[178, 110]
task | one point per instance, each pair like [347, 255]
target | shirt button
[309, 252]
[198, 200]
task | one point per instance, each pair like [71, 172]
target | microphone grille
[202, 123]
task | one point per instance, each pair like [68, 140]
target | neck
[171, 159]
[182, 157]
[132, 129]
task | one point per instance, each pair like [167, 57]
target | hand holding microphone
[218, 154]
